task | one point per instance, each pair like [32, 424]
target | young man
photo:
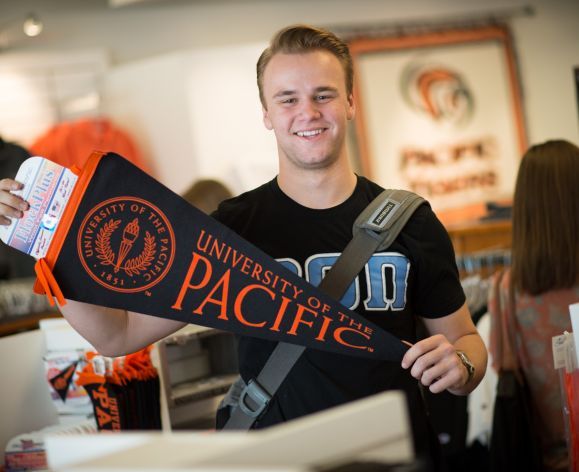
[304, 218]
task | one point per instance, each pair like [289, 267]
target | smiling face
[307, 108]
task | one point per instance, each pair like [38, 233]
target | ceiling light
[32, 25]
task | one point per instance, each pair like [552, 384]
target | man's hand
[11, 206]
[435, 363]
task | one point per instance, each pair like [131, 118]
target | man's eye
[289, 100]
[321, 98]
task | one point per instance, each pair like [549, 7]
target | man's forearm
[115, 332]
[105, 328]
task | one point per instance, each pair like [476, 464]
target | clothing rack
[476, 269]
[483, 262]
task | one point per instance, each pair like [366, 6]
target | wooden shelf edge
[15, 324]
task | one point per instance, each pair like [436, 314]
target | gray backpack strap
[375, 229]
[388, 213]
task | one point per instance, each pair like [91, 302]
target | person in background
[207, 194]
[13, 264]
[305, 81]
[544, 277]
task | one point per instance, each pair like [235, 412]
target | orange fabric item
[48, 283]
[71, 143]
[45, 282]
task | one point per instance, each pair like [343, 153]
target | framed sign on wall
[440, 113]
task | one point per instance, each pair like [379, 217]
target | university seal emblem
[126, 244]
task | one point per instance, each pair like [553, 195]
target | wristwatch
[468, 364]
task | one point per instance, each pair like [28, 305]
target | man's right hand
[11, 206]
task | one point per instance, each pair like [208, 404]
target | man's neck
[320, 188]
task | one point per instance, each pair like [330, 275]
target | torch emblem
[130, 233]
[126, 244]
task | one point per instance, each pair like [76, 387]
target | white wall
[39, 89]
[229, 138]
[149, 99]
[548, 50]
[181, 77]
[196, 114]
[26, 405]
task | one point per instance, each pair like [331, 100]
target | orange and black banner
[124, 391]
[126, 241]
[105, 406]
[61, 381]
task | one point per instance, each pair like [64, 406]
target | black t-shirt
[417, 275]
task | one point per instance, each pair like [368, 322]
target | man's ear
[351, 111]
[266, 121]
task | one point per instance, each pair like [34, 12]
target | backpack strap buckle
[258, 396]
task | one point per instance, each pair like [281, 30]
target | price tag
[47, 188]
[559, 345]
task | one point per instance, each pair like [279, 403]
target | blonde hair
[298, 39]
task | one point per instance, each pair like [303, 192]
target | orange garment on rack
[71, 143]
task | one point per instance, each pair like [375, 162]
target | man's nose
[310, 110]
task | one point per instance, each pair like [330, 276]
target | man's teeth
[306, 134]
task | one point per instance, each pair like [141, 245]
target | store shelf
[197, 365]
[202, 389]
[15, 324]
[480, 236]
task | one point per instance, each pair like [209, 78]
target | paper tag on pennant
[559, 348]
[47, 188]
